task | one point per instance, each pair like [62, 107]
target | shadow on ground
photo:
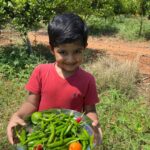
[107, 30]
[17, 55]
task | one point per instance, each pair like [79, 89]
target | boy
[62, 84]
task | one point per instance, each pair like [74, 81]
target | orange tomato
[75, 146]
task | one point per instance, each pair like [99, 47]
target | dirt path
[123, 50]
[120, 49]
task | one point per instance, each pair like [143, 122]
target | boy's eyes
[63, 52]
[78, 51]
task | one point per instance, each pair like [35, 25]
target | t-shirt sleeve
[34, 82]
[91, 96]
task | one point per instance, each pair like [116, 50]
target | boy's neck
[62, 73]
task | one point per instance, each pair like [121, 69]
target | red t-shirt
[71, 93]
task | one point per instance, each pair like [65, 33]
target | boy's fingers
[10, 129]
[21, 122]
[95, 123]
[10, 134]
[10, 137]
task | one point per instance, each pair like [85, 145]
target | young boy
[62, 84]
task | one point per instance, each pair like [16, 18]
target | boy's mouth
[70, 64]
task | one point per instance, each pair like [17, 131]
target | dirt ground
[115, 47]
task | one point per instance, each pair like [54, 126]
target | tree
[4, 14]
[142, 12]
[104, 8]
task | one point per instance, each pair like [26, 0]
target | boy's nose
[70, 59]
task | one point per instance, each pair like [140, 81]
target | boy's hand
[90, 111]
[97, 132]
[14, 121]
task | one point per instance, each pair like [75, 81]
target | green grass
[125, 122]
[120, 26]
[12, 94]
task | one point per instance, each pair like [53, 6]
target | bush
[15, 62]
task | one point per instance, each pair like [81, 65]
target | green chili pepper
[91, 141]
[35, 137]
[62, 133]
[21, 136]
[86, 133]
[35, 133]
[61, 148]
[32, 143]
[51, 138]
[60, 143]
[68, 129]
[55, 144]
[84, 146]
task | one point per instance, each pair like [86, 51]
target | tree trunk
[141, 25]
[29, 46]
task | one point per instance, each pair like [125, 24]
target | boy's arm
[29, 106]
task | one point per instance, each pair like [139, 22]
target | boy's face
[68, 56]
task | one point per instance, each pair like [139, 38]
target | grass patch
[12, 95]
[111, 74]
[120, 26]
[125, 122]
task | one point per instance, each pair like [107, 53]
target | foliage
[120, 26]
[103, 8]
[16, 63]
[27, 15]
[4, 15]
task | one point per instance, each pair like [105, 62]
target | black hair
[67, 28]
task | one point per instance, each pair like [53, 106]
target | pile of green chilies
[54, 131]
